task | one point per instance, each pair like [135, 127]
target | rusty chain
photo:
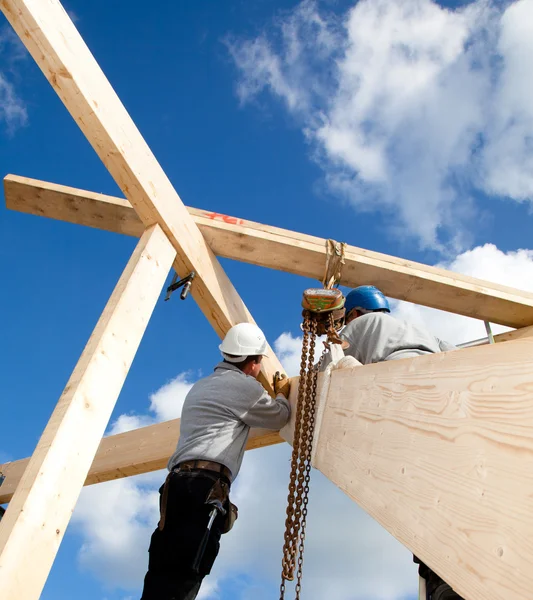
[300, 476]
[313, 324]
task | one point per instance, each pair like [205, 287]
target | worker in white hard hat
[194, 500]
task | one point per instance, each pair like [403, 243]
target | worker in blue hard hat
[375, 335]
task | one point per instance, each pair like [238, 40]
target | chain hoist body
[323, 314]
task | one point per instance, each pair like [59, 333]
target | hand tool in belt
[217, 497]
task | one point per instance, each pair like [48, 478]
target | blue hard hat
[367, 297]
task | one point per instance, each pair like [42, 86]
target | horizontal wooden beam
[297, 253]
[439, 450]
[515, 334]
[53, 41]
[131, 453]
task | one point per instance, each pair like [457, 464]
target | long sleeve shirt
[218, 413]
[375, 337]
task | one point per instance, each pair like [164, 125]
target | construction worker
[375, 335]
[215, 422]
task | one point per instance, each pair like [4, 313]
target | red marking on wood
[225, 218]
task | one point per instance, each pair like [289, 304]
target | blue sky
[413, 141]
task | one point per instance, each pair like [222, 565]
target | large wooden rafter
[439, 450]
[298, 253]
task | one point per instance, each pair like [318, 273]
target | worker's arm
[268, 412]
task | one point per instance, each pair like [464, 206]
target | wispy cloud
[13, 111]
[165, 404]
[410, 108]
[12, 49]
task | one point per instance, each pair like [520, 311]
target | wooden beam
[38, 514]
[439, 450]
[71, 205]
[297, 253]
[515, 334]
[58, 49]
[130, 453]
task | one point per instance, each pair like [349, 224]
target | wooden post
[289, 251]
[33, 526]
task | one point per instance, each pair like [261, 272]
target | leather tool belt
[219, 491]
[208, 465]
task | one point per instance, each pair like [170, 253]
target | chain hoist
[323, 314]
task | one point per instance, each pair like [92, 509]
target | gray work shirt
[218, 413]
[378, 336]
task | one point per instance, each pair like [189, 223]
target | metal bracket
[186, 282]
[489, 332]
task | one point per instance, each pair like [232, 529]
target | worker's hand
[282, 384]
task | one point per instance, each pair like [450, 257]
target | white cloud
[13, 111]
[289, 350]
[509, 154]
[168, 401]
[408, 106]
[165, 404]
[116, 518]
[11, 48]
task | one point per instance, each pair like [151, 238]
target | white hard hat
[242, 340]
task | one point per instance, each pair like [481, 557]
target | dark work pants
[436, 588]
[172, 551]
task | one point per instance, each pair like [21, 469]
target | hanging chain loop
[323, 314]
[300, 476]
